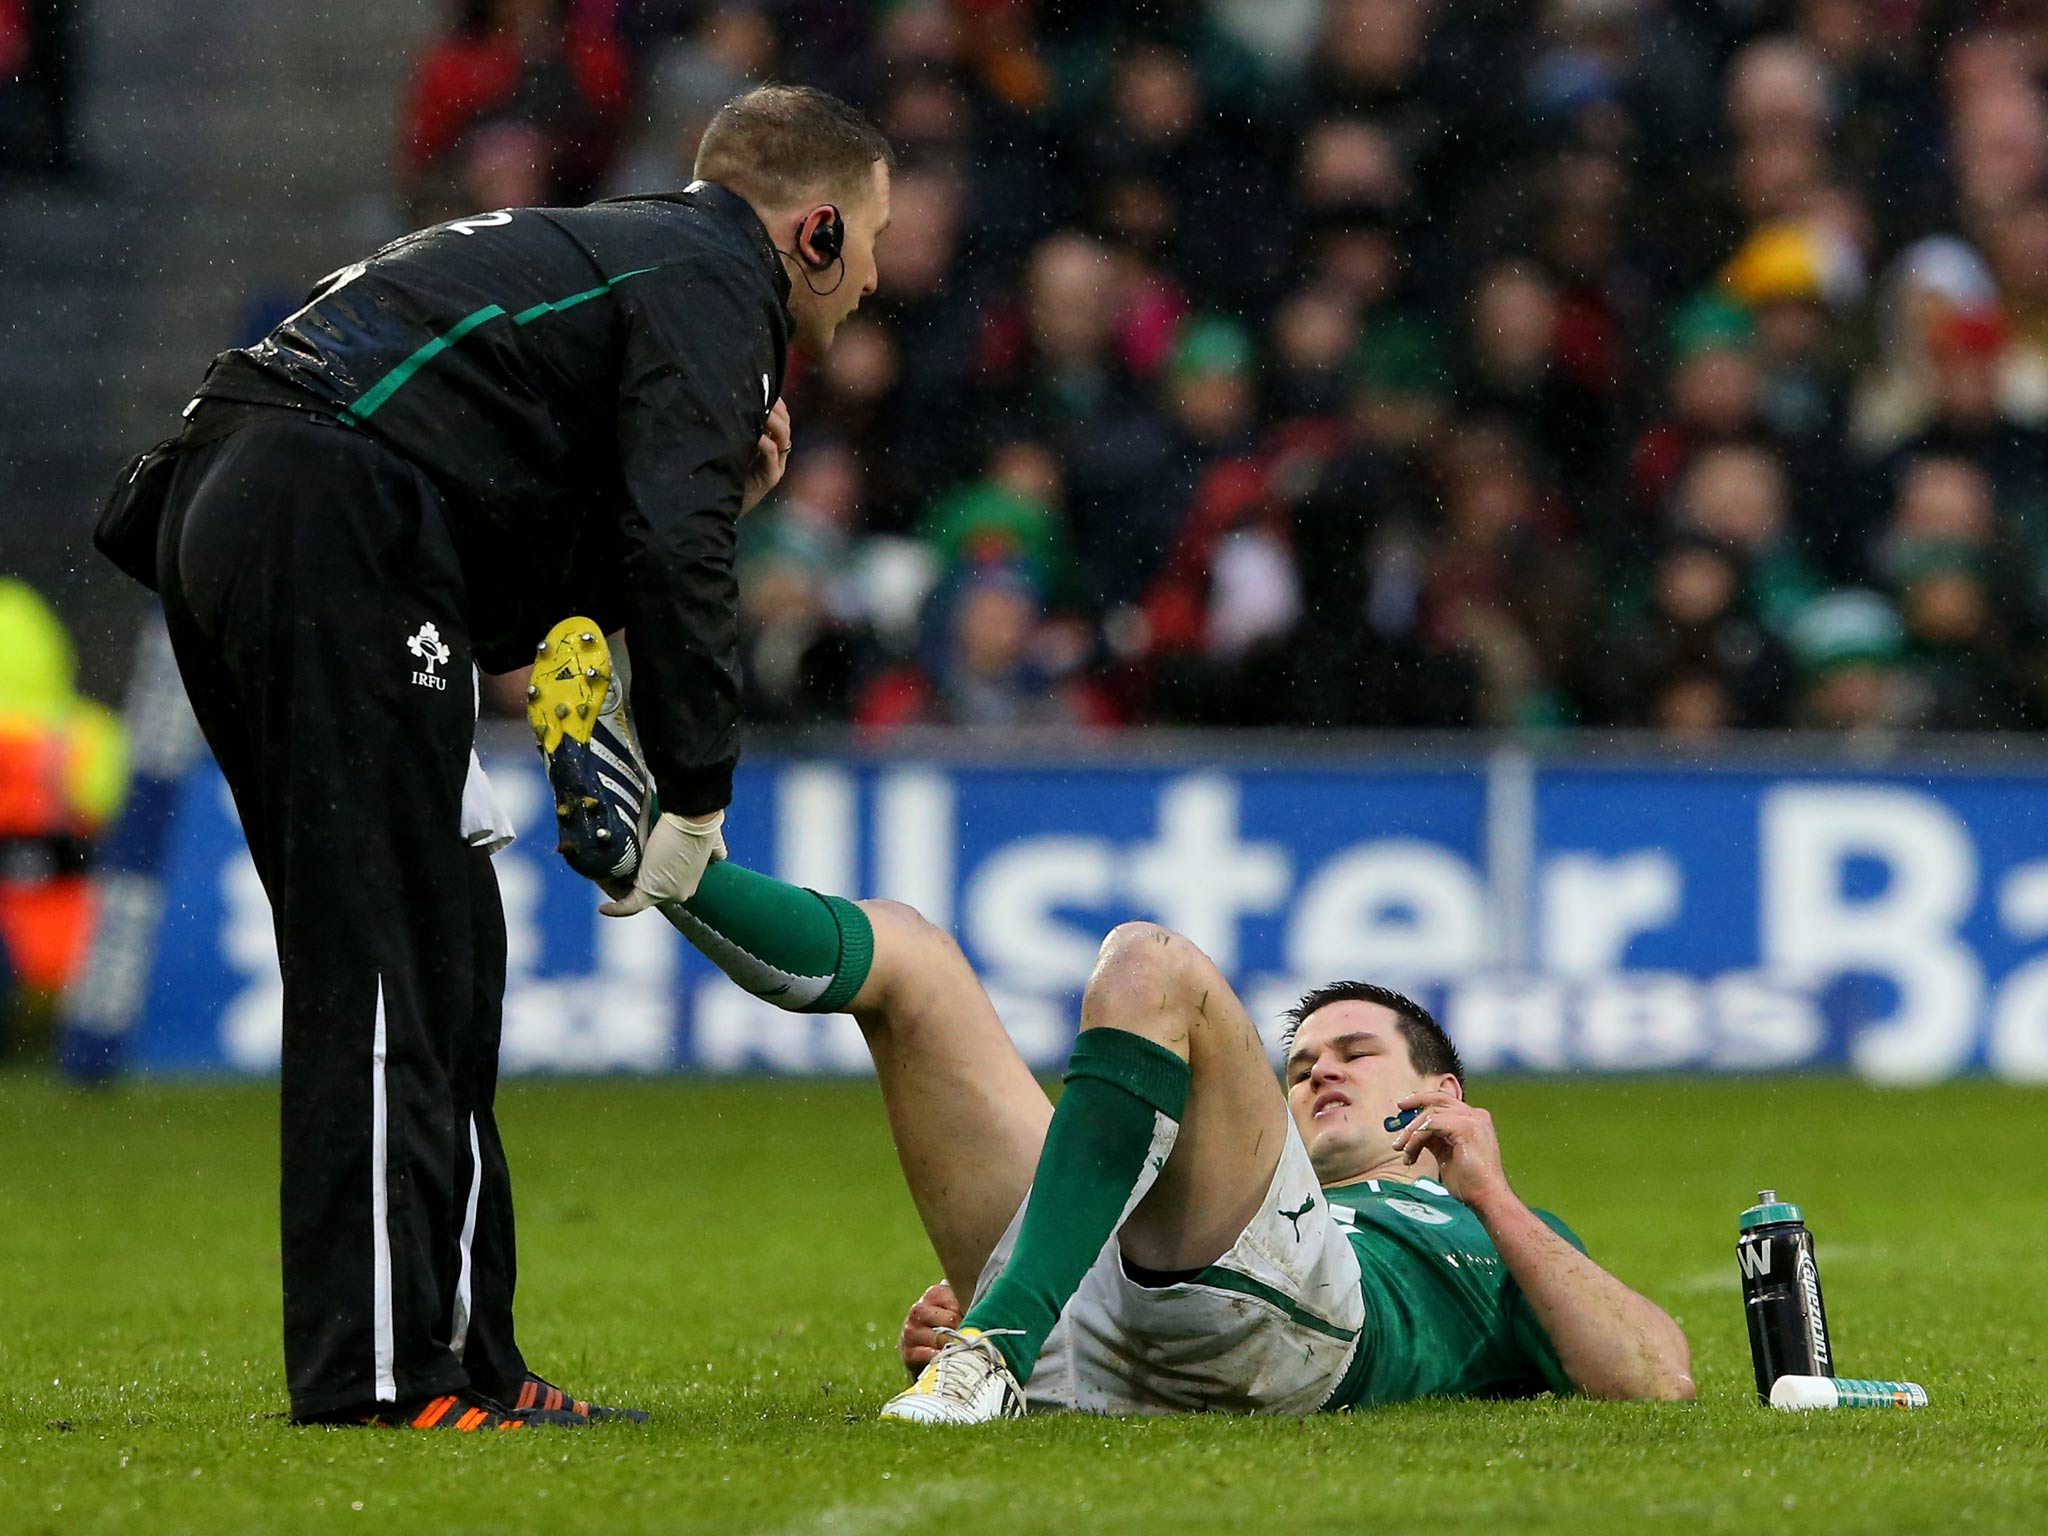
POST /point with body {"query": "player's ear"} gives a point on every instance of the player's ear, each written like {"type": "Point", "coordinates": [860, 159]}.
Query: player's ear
{"type": "Point", "coordinates": [1446, 1083]}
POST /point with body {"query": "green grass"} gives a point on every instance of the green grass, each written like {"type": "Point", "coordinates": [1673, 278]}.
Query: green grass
{"type": "Point", "coordinates": [737, 1257]}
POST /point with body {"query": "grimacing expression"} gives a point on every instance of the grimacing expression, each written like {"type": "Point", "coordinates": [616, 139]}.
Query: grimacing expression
{"type": "Point", "coordinates": [1345, 1074]}
{"type": "Point", "coordinates": [839, 293]}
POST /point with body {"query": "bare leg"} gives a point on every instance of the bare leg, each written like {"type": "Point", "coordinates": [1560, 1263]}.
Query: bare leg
{"type": "Point", "coordinates": [1152, 982]}
{"type": "Point", "coordinates": [966, 1114]}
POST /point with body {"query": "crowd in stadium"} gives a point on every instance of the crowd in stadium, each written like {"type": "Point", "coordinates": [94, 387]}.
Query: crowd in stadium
{"type": "Point", "coordinates": [1339, 363]}
{"type": "Point", "coordinates": [38, 76]}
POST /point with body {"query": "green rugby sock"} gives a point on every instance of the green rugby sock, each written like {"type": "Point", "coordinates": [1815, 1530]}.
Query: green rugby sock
{"type": "Point", "coordinates": [1110, 1135]}
{"type": "Point", "coordinates": [789, 946]}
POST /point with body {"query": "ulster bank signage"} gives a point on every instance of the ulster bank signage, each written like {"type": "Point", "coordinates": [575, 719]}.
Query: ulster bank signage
{"type": "Point", "coordinates": [1560, 915]}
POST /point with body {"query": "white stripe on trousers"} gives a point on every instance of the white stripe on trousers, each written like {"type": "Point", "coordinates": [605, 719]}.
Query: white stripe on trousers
{"type": "Point", "coordinates": [458, 1322]}
{"type": "Point", "coordinates": [386, 1346]}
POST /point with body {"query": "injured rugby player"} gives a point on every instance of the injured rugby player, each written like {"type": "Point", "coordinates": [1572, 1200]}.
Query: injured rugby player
{"type": "Point", "coordinates": [1184, 1232]}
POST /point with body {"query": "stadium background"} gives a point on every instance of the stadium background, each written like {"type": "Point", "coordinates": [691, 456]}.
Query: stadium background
{"type": "Point", "coordinates": [1328, 419]}
{"type": "Point", "coordinates": [1505, 495]}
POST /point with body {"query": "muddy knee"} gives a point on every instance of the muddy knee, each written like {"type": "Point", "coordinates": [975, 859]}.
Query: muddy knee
{"type": "Point", "coordinates": [1151, 981]}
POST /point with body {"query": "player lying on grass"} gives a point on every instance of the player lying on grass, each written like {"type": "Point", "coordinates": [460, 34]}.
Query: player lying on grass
{"type": "Point", "coordinates": [1180, 1233]}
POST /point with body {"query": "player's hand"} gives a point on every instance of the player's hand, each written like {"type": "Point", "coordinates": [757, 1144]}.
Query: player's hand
{"type": "Point", "coordinates": [678, 852]}
{"type": "Point", "coordinates": [1461, 1137]}
{"type": "Point", "coordinates": [937, 1308]}
{"type": "Point", "coordinates": [771, 457]}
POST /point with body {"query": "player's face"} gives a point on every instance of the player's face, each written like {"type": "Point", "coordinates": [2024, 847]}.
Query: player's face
{"type": "Point", "coordinates": [1346, 1074]}
{"type": "Point", "coordinates": [867, 219]}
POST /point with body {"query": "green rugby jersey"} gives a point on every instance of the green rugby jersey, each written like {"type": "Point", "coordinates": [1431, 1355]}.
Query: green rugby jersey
{"type": "Point", "coordinates": [1443, 1317]}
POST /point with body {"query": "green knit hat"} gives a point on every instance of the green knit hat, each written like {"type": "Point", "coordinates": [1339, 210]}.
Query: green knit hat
{"type": "Point", "coordinates": [1710, 324]}
{"type": "Point", "coordinates": [1840, 628]}
{"type": "Point", "coordinates": [1209, 344]}
{"type": "Point", "coordinates": [983, 522]}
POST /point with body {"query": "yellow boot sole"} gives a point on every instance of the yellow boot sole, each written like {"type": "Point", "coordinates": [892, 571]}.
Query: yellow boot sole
{"type": "Point", "coordinates": [566, 692]}
{"type": "Point", "coordinates": [572, 672]}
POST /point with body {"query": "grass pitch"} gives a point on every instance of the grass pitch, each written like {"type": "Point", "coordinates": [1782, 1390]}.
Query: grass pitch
{"type": "Point", "coordinates": [737, 1257]}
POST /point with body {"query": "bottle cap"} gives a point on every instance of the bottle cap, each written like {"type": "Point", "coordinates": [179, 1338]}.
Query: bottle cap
{"type": "Point", "coordinates": [1768, 1209]}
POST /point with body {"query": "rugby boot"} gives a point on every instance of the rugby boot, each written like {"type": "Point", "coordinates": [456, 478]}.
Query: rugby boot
{"type": "Point", "coordinates": [464, 1412]}
{"type": "Point", "coordinates": [967, 1382]}
{"type": "Point", "coordinates": [540, 1396]}
{"type": "Point", "coordinates": [576, 704]}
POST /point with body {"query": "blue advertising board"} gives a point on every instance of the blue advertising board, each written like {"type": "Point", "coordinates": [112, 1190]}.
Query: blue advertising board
{"type": "Point", "coordinates": [1560, 914]}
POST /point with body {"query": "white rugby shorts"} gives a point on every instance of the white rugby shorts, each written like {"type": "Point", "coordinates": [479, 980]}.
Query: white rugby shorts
{"type": "Point", "coordinates": [1267, 1328]}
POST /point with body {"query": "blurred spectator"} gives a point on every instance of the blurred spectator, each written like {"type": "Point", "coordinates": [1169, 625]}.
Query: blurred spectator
{"type": "Point", "coordinates": [1779, 91]}
{"type": "Point", "coordinates": [1209, 386]}
{"type": "Point", "coordinates": [684, 79]}
{"type": "Point", "coordinates": [1794, 277]}
{"type": "Point", "coordinates": [1940, 561]}
{"type": "Point", "coordinates": [2019, 259]}
{"type": "Point", "coordinates": [1736, 498]}
{"type": "Point", "coordinates": [1525, 342]}
{"type": "Point", "coordinates": [1313, 332]}
{"type": "Point", "coordinates": [1504, 588]}
{"type": "Point", "coordinates": [1350, 189]}
{"type": "Point", "coordinates": [63, 769]}
{"type": "Point", "coordinates": [39, 70]}
{"type": "Point", "coordinates": [1371, 64]}
{"type": "Point", "coordinates": [1012, 516]}
{"type": "Point", "coordinates": [1209, 395]}
{"type": "Point", "coordinates": [1158, 147]}
{"type": "Point", "coordinates": [1969, 416]}
{"type": "Point", "coordinates": [1692, 655]}
{"type": "Point", "coordinates": [993, 661]}
{"type": "Point", "coordinates": [1850, 649]}
{"type": "Point", "coordinates": [933, 307]}
{"type": "Point", "coordinates": [802, 611]}
{"type": "Point", "coordinates": [1279, 33]}
{"type": "Point", "coordinates": [1712, 399]}
{"type": "Point", "coordinates": [1941, 301]}
{"type": "Point", "coordinates": [546, 65]}
{"type": "Point", "coordinates": [1998, 125]}
{"type": "Point", "coordinates": [1372, 362]}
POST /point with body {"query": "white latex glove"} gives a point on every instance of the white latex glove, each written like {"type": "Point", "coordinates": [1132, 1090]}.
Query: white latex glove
{"type": "Point", "coordinates": [678, 852]}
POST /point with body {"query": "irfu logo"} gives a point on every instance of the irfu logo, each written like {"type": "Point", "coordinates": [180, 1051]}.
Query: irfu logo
{"type": "Point", "coordinates": [427, 645]}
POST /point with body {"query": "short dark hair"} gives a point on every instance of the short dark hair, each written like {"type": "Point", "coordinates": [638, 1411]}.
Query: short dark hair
{"type": "Point", "coordinates": [777, 143]}
{"type": "Point", "coordinates": [1429, 1049]}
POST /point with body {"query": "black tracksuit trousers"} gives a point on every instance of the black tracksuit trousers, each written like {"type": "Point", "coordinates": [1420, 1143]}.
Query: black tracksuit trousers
{"type": "Point", "coordinates": [316, 606]}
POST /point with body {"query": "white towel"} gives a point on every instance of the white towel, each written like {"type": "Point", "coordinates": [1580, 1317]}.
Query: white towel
{"type": "Point", "coordinates": [484, 822]}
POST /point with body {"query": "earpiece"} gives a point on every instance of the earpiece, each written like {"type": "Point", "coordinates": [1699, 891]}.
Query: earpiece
{"type": "Point", "coordinates": [828, 240]}
{"type": "Point", "coordinates": [824, 251]}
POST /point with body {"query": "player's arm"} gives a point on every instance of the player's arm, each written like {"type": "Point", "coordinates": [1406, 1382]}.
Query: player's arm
{"type": "Point", "coordinates": [698, 447]}
{"type": "Point", "coordinates": [1611, 1341]}
{"type": "Point", "coordinates": [691, 416]}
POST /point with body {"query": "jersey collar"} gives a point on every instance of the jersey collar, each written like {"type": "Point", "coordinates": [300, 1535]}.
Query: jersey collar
{"type": "Point", "coordinates": [723, 200]}
{"type": "Point", "coordinates": [729, 204]}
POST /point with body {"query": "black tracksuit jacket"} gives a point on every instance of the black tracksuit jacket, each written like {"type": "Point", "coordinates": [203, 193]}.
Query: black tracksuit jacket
{"type": "Point", "coordinates": [585, 387]}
